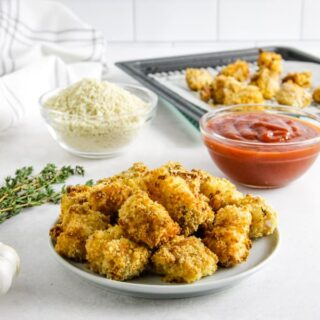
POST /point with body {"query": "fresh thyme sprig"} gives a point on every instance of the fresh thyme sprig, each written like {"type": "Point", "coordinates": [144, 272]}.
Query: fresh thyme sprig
{"type": "Point", "coordinates": [26, 190]}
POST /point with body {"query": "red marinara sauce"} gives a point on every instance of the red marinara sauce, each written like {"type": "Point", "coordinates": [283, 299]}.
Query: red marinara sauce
{"type": "Point", "coordinates": [262, 149]}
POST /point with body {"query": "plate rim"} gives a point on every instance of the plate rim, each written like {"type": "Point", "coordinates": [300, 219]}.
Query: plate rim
{"type": "Point", "coordinates": [174, 288]}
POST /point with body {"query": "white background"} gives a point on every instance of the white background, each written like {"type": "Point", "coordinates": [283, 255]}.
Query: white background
{"type": "Point", "coordinates": [206, 24]}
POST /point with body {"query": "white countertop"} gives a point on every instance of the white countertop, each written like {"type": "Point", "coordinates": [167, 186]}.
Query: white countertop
{"type": "Point", "coordinates": [287, 288]}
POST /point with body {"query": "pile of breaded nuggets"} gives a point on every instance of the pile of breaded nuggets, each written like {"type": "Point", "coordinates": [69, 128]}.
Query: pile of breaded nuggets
{"type": "Point", "coordinates": [178, 223]}
{"type": "Point", "coordinates": [235, 85]}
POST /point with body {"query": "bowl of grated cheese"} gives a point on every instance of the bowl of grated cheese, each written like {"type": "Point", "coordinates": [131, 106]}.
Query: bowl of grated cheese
{"type": "Point", "coordinates": [97, 119]}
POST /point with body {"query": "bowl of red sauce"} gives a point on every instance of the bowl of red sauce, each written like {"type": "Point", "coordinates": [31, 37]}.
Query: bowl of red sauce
{"type": "Point", "coordinates": [262, 146]}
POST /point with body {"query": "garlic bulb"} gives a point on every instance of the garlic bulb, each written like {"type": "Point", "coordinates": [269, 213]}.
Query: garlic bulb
{"type": "Point", "coordinates": [9, 267]}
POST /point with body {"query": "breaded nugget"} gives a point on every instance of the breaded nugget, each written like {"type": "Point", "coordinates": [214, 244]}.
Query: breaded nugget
{"type": "Point", "coordinates": [185, 207]}
{"type": "Point", "coordinates": [147, 221]}
{"type": "Point", "coordinates": [238, 70]}
{"type": "Point", "coordinates": [133, 177]}
{"type": "Point", "coordinates": [109, 197]}
{"type": "Point", "coordinates": [264, 218]}
{"type": "Point", "coordinates": [267, 81]}
{"type": "Point", "coordinates": [271, 61]}
{"type": "Point", "coordinates": [316, 95]}
{"type": "Point", "coordinates": [302, 79]}
{"type": "Point", "coordinates": [176, 169]}
{"type": "Point", "coordinates": [74, 195]}
{"type": "Point", "coordinates": [184, 260]}
{"type": "Point", "coordinates": [118, 259]}
{"type": "Point", "coordinates": [229, 237]}
{"type": "Point", "coordinates": [223, 84]}
{"type": "Point", "coordinates": [247, 95]}
{"type": "Point", "coordinates": [197, 78]}
{"type": "Point", "coordinates": [219, 191]}
{"type": "Point", "coordinates": [292, 95]}
{"type": "Point", "coordinates": [110, 193]}
{"type": "Point", "coordinates": [206, 93]}
{"type": "Point", "coordinates": [101, 238]}
{"type": "Point", "coordinates": [71, 234]}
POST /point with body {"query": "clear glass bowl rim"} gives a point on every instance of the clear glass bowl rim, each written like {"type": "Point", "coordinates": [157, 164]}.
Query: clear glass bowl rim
{"type": "Point", "coordinates": [211, 114]}
{"type": "Point", "coordinates": [152, 103]}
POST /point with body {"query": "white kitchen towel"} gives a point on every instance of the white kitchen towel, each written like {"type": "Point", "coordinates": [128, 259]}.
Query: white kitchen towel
{"type": "Point", "coordinates": [43, 45]}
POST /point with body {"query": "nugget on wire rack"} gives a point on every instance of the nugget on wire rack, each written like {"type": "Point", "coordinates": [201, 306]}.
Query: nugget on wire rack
{"type": "Point", "coordinates": [197, 78]}
{"type": "Point", "coordinates": [238, 70]}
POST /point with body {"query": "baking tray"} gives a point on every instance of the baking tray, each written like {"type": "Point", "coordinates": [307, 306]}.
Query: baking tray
{"type": "Point", "coordinates": [142, 70]}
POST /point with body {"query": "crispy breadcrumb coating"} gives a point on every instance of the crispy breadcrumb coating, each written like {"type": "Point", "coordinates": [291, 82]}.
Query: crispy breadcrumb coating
{"type": "Point", "coordinates": [133, 177]}
{"type": "Point", "coordinates": [292, 95]}
{"type": "Point", "coordinates": [223, 85]}
{"type": "Point", "coordinates": [71, 234]}
{"type": "Point", "coordinates": [302, 79]}
{"type": "Point", "coordinates": [147, 221]}
{"type": "Point", "coordinates": [197, 78]}
{"type": "Point", "coordinates": [229, 237]}
{"type": "Point", "coordinates": [267, 81]}
{"type": "Point", "coordinates": [74, 195]}
{"type": "Point", "coordinates": [174, 193]}
{"type": "Point", "coordinates": [110, 193]}
{"type": "Point", "coordinates": [118, 259]}
{"type": "Point", "coordinates": [264, 218]}
{"type": "Point", "coordinates": [206, 93]}
{"type": "Point", "coordinates": [271, 61]}
{"type": "Point", "coordinates": [238, 70]}
{"type": "Point", "coordinates": [184, 260]}
{"type": "Point", "coordinates": [219, 191]}
{"type": "Point", "coordinates": [109, 197]}
{"type": "Point", "coordinates": [177, 169]}
{"type": "Point", "coordinates": [316, 95]}
{"type": "Point", "coordinates": [247, 95]}
{"type": "Point", "coordinates": [100, 239]}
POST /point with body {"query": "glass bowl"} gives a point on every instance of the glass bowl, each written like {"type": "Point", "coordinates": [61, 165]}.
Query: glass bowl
{"type": "Point", "coordinates": [98, 137]}
{"type": "Point", "coordinates": [261, 164]}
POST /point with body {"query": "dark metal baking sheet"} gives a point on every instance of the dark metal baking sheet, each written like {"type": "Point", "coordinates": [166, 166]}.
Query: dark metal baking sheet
{"type": "Point", "coordinates": [140, 70]}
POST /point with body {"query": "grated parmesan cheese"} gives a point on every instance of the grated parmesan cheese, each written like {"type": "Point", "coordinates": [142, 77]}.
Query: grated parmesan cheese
{"type": "Point", "coordinates": [96, 116]}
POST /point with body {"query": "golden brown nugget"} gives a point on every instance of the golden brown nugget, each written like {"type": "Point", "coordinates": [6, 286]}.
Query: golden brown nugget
{"type": "Point", "coordinates": [222, 85]}
{"type": "Point", "coordinates": [174, 193]}
{"type": "Point", "coordinates": [176, 169]}
{"type": "Point", "coordinates": [184, 260]}
{"type": "Point", "coordinates": [110, 193]}
{"type": "Point", "coordinates": [302, 79]}
{"type": "Point", "coordinates": [75, 228]}
{"type": "Point", "coordinates": [264, 217]}
{"type": "Point", "coordinates": [74, 195]}
{"type": "Point", "coordinates": [147, 221]}
{"type": "Point", "coordinates": [109, 197]}
{"type": "Point", "coordinates": [267, 81]}
{"type": "Point", "coordinates": [292, 95]}
{"type": "Point", "coordinates": [316, 95]}
{"type": "Point", "coordinates": [219, 191]}
{"type": "Point", "coordinates": [229, 237]}
{"type": "Point", "coordinates": [206, 93]}
{"type": "Point", "coordinates": [238, 70]}
{"type": "Point", "coordinates": [118, 259]}
{"type": "Point", "coordinates": [247, 95]}
{"type": "Point", "coordinates": [133, 177]}
{"type": "Point", "coordinates": [271, 61]}
{"type": "Point", "coordinates": [197, 78]}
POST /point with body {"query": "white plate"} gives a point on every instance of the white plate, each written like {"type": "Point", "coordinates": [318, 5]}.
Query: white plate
{"type": "Point", "coordinates": [151, 286]}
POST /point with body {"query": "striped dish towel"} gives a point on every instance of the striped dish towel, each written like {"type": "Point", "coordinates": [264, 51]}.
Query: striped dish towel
{"type": "Point", "coordinates": [43, 45]}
